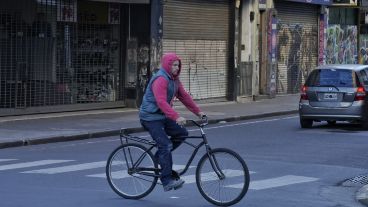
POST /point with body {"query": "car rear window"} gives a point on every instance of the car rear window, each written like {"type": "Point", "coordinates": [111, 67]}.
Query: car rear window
{"type": "Point", "coordinates": [364, 76]}
{"type": "Point", "coordinates": [332, 77]}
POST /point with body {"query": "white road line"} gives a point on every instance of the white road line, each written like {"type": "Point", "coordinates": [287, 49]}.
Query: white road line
{"type": "Point", "coordinates": [123, 174]}
{"type": "Point", "coordinates": [4, 160]}
{"type": "Point", "coordinates": [212, 176]}
{"type": "Point", "coordinates": [115, 175]}
{"type": "Point", "coordinates": [238, 124]}
{"type": "Point", "coordinates": [277, 182]}
{"type": "Point", "coordinates": [247, 123]}
{"type": "Point", "coordinates": [31, 164]}
{"type": "Point", "coordinates": [69, 168]}
{"type": "Point", "coordinates": [180, 167]}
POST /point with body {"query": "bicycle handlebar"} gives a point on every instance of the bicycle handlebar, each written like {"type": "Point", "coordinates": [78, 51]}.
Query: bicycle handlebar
{"type": "Point", "coordinates": [201, 123]}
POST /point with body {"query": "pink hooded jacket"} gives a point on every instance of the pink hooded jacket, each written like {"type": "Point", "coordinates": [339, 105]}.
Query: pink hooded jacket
{"type": "Point", "coordinates": [159, 88]}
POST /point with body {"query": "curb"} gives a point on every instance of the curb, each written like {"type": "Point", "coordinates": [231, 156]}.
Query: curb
{"type": "Point", "coordinates": [91, 135]}
{"type": "Point", "coordinates": [362, 195]}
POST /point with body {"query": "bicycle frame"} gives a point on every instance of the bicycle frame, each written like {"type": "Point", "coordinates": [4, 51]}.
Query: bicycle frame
{"type": "Point", "coordinates": [152, 144]}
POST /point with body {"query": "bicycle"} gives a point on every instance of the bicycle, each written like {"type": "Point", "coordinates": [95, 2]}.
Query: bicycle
{"type": "Point", "coordinates": [133, 172]}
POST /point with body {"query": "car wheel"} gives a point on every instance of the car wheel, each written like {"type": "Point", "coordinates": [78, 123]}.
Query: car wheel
{"type": "Point", "coordinates": [306, 123]}
{"type": "Point", "coordinates": [331, 123]}
{"type": "Point", "coordinates": [365, 125]}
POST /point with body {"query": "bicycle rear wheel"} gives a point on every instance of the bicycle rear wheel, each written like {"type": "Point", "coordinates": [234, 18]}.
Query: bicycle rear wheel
{"type": "Point", "coordinates": [232, 186]}
{"type": "Point", "coordinates": [123, 178]}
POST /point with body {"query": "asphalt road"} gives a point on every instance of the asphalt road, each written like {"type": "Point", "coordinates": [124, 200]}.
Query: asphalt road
{"type": "Point", "coordinates": [289, 167]}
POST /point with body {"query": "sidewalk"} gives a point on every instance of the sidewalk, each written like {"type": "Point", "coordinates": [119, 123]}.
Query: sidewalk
{"type": "Point", "coordinates": [55, 127]}
{"type": "Point", "coordinates": [18, 131]}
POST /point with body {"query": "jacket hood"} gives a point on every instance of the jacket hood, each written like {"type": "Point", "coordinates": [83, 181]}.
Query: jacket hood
{"type": "Point", "coordinates": [167, 61]}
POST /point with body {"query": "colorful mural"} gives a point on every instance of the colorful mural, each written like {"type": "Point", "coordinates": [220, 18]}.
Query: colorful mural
{"type": "Point", "coordinates": [322, 39]}
{"type": "Point", "coordinates": [341, 44]}
{"type": "Point", "coordinates": [363, 51]}
{"type": "Point", "coordinates": [272, 46]}
{"type": "Point", "coordinates": [297, 55]}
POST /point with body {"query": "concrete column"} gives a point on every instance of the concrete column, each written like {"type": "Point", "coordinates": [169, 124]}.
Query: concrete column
{"type": "Point", "coordinates": [248, 50]}
{"type": "Point", "coordinates": [156, 33]}
{"type": "Point", "coordinates": [255, 48]}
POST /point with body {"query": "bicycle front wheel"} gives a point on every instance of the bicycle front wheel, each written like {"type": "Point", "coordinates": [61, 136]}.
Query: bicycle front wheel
{"type": "Point", "coordinates": [122, 173]}
{"type": "Point", "coordinates": [222, 177]}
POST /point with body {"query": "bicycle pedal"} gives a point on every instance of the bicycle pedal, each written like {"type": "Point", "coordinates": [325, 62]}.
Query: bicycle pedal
{"type": "Point", "coordinates": [175, 175]}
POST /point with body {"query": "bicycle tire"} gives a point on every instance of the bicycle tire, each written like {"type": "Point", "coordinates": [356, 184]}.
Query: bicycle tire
{"type": "Point", "coordinates": [234, 168]}
{"type": "Point", "coordinates": [123, 183]}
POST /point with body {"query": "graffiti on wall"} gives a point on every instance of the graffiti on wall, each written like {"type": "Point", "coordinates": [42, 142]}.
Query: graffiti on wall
{"type": "Point", "coordinates": [143, 65]}
{"type": "Point", "coordinates": [297, 55]}
{"type": "Point", "coordinates": [155, 54]}
{"type": "Point", "coordinates": [204, 66]}
{"type": "Point", "coordinates": [341, 44]}
{"type": "Point", "coordinates": [272, 44]}
{"type": "Point", "coordinates": [322, 37]}
{"type": "Point", "coordinates": [363, 52]}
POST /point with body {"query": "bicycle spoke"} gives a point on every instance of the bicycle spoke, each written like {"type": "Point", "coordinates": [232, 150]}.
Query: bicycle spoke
{"type": "Point", "coordinates": [141, 178]}
{"type": "Point", "coordinates": [232, 170]}
{"type": "Point", "coordinates": [218, 171]}
{"type": "Point", "coordinates": [125, 178]}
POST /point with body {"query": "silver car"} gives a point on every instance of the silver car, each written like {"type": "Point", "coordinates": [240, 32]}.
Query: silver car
{"type": "Point", "coordinates": [335, 93]}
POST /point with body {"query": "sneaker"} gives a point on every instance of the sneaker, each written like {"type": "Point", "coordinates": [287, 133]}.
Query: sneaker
{"type": "Point", "coordinates": [175, 175]}
{"type": "Point", "coordinates": [174, 184]}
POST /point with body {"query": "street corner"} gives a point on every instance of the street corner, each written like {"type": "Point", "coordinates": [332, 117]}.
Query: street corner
{"type": "Point", "coordinates": [360, 181]}
{"type": "Point", "coordinates": [362, 195]}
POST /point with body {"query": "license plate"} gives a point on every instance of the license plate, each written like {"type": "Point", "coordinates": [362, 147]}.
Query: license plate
{"type": "Point", "coordinates": [330, 96]}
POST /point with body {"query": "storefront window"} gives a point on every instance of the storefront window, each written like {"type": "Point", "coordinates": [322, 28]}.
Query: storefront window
{"type": "Point", "coordinates": [89, 52]}
{"type": "Point", "coordinates": [347, 16]}
{"type": "Point", "coordinates": [27, 48]}
{"type": "Point", "coordinates": [66, 52]}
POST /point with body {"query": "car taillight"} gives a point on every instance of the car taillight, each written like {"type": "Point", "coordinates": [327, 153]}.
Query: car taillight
{"type": "Point", "coordinates": [303, 93]}
{"type": "Point", "coordinates": [360, 94]}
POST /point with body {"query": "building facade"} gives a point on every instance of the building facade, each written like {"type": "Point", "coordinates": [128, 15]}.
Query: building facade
{"type": "Point", "coordinates": [65, 55]}
{"type": "Point", "coordinates": [295, 36]}
{"type": "Point", "coordinates": [62, 55]}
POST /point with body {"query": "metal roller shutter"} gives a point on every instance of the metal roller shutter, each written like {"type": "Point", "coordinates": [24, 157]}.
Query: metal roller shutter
{"type": "Point", "coordinates": [50, 60]}
{"type": "Point", "coordinates": [297, 44]}
{"type": "Point", "coordinates": [198, 31]}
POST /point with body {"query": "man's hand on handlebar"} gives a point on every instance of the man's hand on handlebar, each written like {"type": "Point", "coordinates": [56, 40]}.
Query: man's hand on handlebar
{"type": "Point", "coordinates": [202, 115]}
{"type": "Point", "coordinates": [181, 121]}
{"type": "Point", "coordinates": [204, 120]}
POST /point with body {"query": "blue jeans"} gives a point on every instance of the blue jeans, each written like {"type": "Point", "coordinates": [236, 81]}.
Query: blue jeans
{"type": "Point", "coordinates": [160, 130]}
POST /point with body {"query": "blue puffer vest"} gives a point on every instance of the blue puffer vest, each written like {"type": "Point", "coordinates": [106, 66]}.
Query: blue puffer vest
{"type": "Point", "coordinates": [149, 111]}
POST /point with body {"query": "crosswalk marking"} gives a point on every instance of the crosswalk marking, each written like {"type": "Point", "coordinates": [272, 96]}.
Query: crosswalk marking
{"type": "Point", "coordinates": [4, 160]}
{"type": "Point", "coordinates": [70, 168]}
{"type": "Point", "coordinates": [115, 175]}
{"type": "Point", "coordinates": [121, 175]}
{"type": "Point", "coordinates": [277, 182]}
{"type": "Point", "coordinates": [212, 176]}
{"type": "Point", "coordinates": [31, 164]}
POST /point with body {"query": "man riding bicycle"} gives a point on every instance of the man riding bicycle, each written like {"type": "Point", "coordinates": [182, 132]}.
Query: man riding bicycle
{"type": "Point", "coordinates": [159, 118]}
